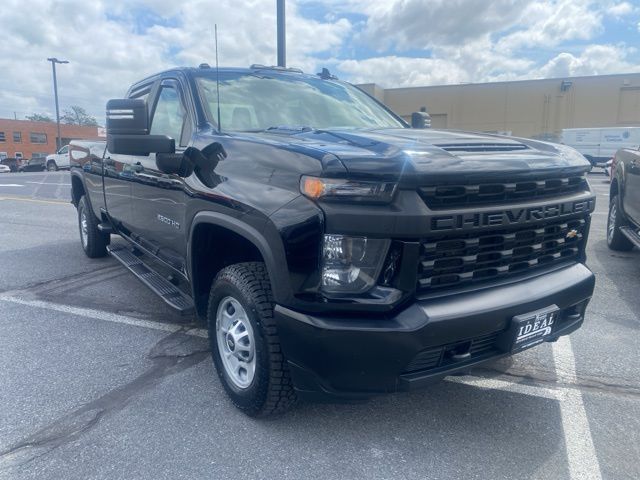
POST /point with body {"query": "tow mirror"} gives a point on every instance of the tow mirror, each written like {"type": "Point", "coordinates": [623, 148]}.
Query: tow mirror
{"type": "Point", "coordinates": [128, 129]}
{"type": "Point", "coordinates": [420, 120]}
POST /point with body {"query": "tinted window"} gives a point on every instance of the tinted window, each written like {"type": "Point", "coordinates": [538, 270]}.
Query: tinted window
{"type": "Point", "coordinates": [169, 115]}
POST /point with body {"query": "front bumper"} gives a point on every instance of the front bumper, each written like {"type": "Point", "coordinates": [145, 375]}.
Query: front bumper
{"type": "Point", "coordinates": [352, 357]}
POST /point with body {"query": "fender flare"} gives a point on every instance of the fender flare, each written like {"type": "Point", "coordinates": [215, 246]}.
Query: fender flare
{"type": "Point", "coordinates": [272, 253]}
{"type": "Point", "coordinates": [80, 177]}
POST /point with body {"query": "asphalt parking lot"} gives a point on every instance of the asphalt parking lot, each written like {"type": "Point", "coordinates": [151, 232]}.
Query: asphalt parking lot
{"type": "Point", "coordinates": [100, 380]}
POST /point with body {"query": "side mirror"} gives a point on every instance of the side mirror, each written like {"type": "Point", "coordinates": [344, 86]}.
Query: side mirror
{"type": "Point", "coordinates": [174, 163]}
{"type": "Point", "coordinates": [420, 120]}
{"type": "Point", "coordinates": [128, 129]}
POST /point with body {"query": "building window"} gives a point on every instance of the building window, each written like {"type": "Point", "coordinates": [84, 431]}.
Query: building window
{"type": "Point", "coordinates": [17, 137]}
{"type": "Point", "coordinates": [37, 137]}
{"type": "Point", "coordinates": [18, 155]}
{"type": "Point", "coordinates": [2, 139]}
{"type": "Point", "coordinates": [3, 155]}
{"type": "Point", "coordinates": [38, 155]}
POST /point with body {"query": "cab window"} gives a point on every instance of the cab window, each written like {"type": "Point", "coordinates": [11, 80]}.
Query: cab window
{"type": "Point", "coordinates": [169, 116]}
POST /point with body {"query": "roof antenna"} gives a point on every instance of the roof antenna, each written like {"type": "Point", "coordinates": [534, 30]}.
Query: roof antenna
{"type": "Point", "coordinates": [217, 76]}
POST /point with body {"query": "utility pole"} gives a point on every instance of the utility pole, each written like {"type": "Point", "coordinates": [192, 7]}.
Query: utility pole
{"type": "Point", "coordinates": [53, 61]}
{"type": "Point", "coordinates": [282, 38]}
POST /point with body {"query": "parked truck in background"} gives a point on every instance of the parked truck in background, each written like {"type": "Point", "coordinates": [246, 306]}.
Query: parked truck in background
{"type": "Point", "coordinates": [59, 160]}
{"type": "Point", "coordinates": [333, 252]}
{"type": "Point", "coordinates": [623, 225]}
{"type": "Point", "coordinates": [599, 145]}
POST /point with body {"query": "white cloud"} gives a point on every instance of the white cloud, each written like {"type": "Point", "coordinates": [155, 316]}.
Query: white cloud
{"type": "Point", "coordinates": [408, 24]}
{"type": "Point", "coordinates": [111, 43]}
{"type": "Point", "coordinates": [395, 71]}
{"type": "Point", "coordinates": [594, 60]}
{"type": "Point", "coordinates": [621, 9]}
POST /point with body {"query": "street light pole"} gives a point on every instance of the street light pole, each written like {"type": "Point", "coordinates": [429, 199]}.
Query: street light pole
{"type": "Point", "coordinates": [53, 61]}
{"type": "Point", "coordinates": [282, 38]}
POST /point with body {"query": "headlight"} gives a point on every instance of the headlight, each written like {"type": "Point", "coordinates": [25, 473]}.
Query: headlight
{"type": "Point", "coordinates": [335, 189]}
{"type": "Point", "coordinates": [351, 264]}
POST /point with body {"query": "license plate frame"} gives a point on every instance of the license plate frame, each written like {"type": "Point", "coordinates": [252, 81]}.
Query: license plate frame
{"type": "Point", "coordinates": [532, 328]}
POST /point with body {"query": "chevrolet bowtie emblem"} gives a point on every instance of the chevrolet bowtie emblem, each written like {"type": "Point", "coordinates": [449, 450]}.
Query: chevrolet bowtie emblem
{"type": "Point", "coordinates": [572, 233]}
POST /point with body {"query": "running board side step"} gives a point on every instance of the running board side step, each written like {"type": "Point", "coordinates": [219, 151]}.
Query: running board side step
{"type": "Point", "coordinates": [152, 279]}
{"type": "Point", "coordinates": [632, 235]}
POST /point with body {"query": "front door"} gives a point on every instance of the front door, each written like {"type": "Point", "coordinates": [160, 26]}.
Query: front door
{"type": "Point", "coordinates": [159, 201]}
{"type": "Point", "coordinates": [119, 174]}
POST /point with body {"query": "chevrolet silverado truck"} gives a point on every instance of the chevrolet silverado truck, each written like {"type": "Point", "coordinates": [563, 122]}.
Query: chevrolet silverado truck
{"type": "Point", "coordinates": [334, 252]}
{"type": "Point", "coordinates": [623, 225]}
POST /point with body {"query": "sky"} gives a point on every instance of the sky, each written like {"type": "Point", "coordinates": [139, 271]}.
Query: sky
{"type": "Point", "coordinates": [395, 43]}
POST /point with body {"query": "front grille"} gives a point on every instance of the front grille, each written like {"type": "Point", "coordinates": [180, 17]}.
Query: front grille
{"type": "Point", "coordinates": [454, 260]}
{"type": "Point", "coordinates": [443, 355]}
{"type": "Point", "coordinates": [489, 192]}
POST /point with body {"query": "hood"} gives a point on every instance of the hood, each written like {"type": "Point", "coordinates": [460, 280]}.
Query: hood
{"type": "Point", "coordinates": [413, 153]}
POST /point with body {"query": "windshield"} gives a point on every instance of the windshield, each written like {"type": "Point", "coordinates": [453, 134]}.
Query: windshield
{"type": "Point", "coordinates": [252, 102]}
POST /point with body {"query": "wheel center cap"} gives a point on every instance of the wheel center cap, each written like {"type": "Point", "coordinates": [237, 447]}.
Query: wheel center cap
{"type": "Point", "coordinates": [231, 343]}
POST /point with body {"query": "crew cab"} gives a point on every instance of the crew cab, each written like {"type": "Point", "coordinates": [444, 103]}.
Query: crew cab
{"type": "Point", "coordinates": [334, 252]}
{"type": "Point", "coordinates": [623, 225]}
{"type": "Point", "coordinates": [59, 160]}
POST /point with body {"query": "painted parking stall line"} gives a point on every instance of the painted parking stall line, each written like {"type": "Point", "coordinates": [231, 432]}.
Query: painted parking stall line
{"type": "Point", "coordinates": [104, 316]}
{"type": "Point", "coordinates": [581, 455]}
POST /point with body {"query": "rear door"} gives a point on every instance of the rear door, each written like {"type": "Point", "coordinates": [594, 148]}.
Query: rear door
{"type": "Point", "coordinates": [160, 199]}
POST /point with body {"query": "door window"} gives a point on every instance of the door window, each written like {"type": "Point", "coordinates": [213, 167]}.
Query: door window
{"type": "Point", "coordinates": [63, 150]}
{"type": "Point", "coordinates": [169, 116]}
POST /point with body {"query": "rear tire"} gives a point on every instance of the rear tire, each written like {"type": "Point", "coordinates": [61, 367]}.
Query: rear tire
{"type": "Point", "coordinates": [615, 238]}
{"type": "Point", "coordinates": [93, 241]}
{"type": "Point", "coordinates": [244, 341]}
{"type": "Point", "coordinates": [52, 167]}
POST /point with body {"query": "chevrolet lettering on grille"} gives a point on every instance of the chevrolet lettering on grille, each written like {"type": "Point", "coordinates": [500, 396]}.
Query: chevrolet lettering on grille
{"type": "Point", "coordinates": [470, 221]}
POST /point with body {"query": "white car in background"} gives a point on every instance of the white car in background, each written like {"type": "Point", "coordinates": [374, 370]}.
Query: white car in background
{"type": "Point", "coordinates": [57, 161]}
{"type": "Point", "coordinates": [4, 169]}
{"type": "Point", "coordinates": [599, 145]}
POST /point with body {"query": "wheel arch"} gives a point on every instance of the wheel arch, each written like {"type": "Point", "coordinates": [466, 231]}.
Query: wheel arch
{"type": "Point", "coordinates": [211, 231]}
{"type": "Point", "coordinates": [78, 189]}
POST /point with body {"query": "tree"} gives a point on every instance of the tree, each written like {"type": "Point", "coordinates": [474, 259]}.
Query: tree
{"type": "Point", "coordinates": [76, 115]}
{"type": "Point", "coordinates": [39, 117]}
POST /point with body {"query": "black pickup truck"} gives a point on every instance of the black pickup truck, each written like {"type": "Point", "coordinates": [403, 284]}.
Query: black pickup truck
{"type": "Point", "coordinates": [334, 252]}
{"type": "Point", "coordinates": [623, 225]}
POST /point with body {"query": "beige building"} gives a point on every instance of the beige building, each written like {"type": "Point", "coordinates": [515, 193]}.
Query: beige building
{"type": "Point", "coordinates": [528, 108]}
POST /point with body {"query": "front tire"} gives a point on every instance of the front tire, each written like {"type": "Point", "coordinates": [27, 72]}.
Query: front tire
{"type": "Point", "coordinates": [244, 341]}
{"type": "Point", "coordinates": [615, 238]}
{"type": "Point", "coordinates": [52, 167]}
{"type": "Point", "coordinates": [94, 242]}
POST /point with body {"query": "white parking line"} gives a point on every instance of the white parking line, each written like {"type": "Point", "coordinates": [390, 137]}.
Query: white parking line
{"type": "Point", "coordinates": [10, 185]}
{"type": "Point", "coordinates": [51, 183]}
{"type": "Point", "coordinates": [583, 461]}
{"type": "Point", "coordinates": [581, 454]}
{"type": "Point", "coordinates": [105, 316]}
